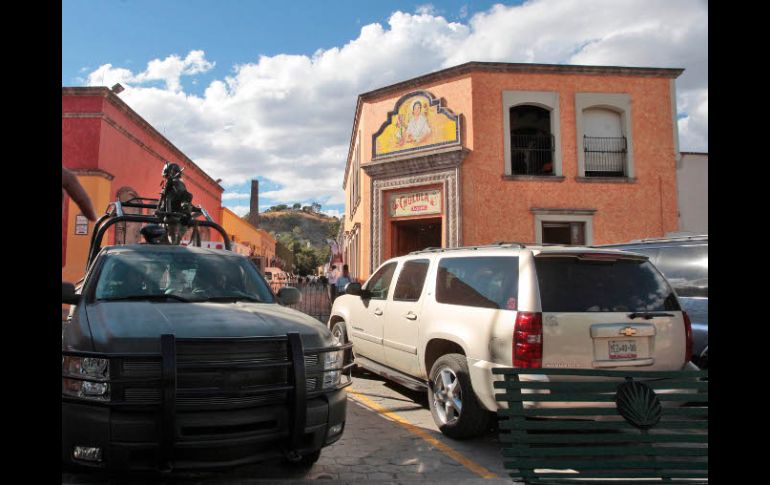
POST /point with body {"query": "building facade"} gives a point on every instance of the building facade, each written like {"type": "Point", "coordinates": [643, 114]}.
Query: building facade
{"type": "Point", "coordinates": [486, 152]}
{"type": "Point", "coordinates": [248, 240]}
{"type": "Point", "coordinates": [117, 155]}
{"type": "Point", "coordinates": [693, 185]}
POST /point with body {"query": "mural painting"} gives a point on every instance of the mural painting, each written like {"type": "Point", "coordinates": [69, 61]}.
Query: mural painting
{"type": "Point", "coordinates": [418, 122]}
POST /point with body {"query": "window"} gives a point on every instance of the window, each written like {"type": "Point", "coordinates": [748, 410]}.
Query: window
{"type": "Point", "coordinates": [604, 144]}
{"type": "Point", "coordinates": [531, 141]}
{"type": "Point", "coordinates": [485, 282]}
{"type": "Point", "coordinates": [564, 226]}
{"type": "Point", "coordinates": [379, 283]}
{"type": "Point", "coordinates": [575, 285]}
{"type": "Point", "coordinates": [569, 233]}
{"type": "Point", "coordinates": [686, 268]}
{"type": "Point", "coordinates": [355, 176]}
{"type": "Point", "coordinates": [411, 280]}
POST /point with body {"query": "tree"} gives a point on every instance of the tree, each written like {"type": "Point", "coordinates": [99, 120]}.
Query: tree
{"type": "Point", "coordinates": [296, 206]}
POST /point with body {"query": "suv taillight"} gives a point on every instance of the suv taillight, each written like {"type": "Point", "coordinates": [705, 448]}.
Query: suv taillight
{"type": "Point", "coordinates": [688, 338]}
{"type": "Point", "coordinates": [528, 340]}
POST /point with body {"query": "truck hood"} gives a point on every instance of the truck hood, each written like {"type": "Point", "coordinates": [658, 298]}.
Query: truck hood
{"type": "Point", "coordinates": [136, 326]}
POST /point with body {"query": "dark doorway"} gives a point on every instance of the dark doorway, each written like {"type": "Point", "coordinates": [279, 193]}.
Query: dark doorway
{"type": "Point", "coordinates": [415, 235]}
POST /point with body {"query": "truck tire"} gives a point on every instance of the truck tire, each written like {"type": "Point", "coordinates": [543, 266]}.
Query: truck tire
{"type": "Point", "coordinates": [453, 404]}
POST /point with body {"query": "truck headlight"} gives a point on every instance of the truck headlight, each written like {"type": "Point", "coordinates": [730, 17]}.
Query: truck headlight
{"type": "Point", "coordinates": [85, 367]}
{"type": "Point", "coordinates": [332, 369]}
{"type": "Point", "coordinates": [89, 373]}
{"type": "Point", "coordinates": [96, 391]}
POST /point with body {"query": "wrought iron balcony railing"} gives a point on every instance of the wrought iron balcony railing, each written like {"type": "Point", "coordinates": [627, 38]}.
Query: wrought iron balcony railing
{"type": "Point", "coordinates": [532, 154]}
{"type": "Point", "coordinates": [605, 156]}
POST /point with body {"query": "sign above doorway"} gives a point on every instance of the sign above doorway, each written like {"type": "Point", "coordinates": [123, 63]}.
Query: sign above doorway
{"type": "Point", "coordinates": [415, 203]}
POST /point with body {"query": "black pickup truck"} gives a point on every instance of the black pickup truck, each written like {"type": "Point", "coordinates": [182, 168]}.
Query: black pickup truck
{"type": "Point", "coordinates": [181, 357]}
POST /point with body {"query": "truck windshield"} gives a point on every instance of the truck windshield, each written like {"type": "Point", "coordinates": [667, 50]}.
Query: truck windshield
{"type": "Point", "coordinates": [179, 276]}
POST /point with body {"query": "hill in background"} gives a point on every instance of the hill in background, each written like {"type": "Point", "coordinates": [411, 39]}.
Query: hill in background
{"type": "Point", "coordinates": [302, 231]}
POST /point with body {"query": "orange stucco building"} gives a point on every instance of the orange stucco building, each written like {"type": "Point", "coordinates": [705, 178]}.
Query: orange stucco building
{"type": "Point", "coordinates": [248, 240]}
{"type": "Point", "coordinates": [117, 155]}
{"type": "Point", "coordinates": [486, 152]}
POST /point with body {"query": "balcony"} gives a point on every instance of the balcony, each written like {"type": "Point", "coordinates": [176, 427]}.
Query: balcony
{"type": "Point", "coordinates": [532, 154]}
{"type": "Point", "coordinates": [605, 156]}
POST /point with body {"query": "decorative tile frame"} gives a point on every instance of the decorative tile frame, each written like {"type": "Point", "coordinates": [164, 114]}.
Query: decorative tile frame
{"type": "Point", "coordinates": [450, 188]}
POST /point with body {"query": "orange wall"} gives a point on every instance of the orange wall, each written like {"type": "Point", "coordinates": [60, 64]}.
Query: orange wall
{"type": "Point", "coordinates": [242, 232]}
{"type": "Point", "coordinates": [99, 189]}
{"type": "Point", "coordinates": [624, 211]}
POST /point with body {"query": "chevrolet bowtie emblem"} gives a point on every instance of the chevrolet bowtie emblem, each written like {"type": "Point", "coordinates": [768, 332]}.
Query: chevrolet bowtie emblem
{"type": "Point", "coordinates": [628, 331]}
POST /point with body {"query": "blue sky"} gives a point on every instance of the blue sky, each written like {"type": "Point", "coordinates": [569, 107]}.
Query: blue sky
{"type": "Point", "coordinates": [129, 33]}
{"type": "Point", "coordinates": [267, 89]}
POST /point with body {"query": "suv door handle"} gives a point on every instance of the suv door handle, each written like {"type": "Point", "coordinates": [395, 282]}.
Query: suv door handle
{"type": "Point", "coordinates": [411, 316]}
{"type": "Point", "coordinates": [377, 312]}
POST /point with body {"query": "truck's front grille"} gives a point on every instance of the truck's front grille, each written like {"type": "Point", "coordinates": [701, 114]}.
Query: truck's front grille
{"type": "Point", "coordinates": [214, 374]}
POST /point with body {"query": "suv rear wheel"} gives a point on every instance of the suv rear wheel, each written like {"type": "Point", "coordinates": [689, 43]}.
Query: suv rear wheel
{"type": "Point", "coordinates": [453, 403]}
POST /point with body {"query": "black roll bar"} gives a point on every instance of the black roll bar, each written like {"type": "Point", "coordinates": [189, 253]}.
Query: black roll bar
{"type": "Point", "coordinates": [116, 215]}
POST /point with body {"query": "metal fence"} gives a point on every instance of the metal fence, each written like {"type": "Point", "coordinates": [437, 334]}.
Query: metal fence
{"type": "Point", "coordinates": [605, 155]}
{"type": "Point", "coordinates": [315, 298]}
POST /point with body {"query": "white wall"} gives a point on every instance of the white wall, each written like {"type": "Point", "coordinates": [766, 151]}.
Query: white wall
{"type": "Point", "coordinates": [692, 177]}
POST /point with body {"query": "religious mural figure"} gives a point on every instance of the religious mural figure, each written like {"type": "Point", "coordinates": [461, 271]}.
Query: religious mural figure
{"type": "Point", "coordinates": [417, 130]}
{"type": "Point", "coordinates": [418, 122]}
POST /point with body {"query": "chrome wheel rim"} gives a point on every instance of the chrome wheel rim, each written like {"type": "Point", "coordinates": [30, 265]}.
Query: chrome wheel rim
{"type": "Point", "coordinates": [338, 334]}
{"type": "Point", "coordinates": [447, 396]}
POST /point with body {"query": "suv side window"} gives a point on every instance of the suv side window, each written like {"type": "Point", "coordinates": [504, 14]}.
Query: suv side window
{"type": "Point", "coordinates": [379, 283]}
{"type": "Point", "coordinates": [411, 280]}
{"type": "Point", "coordinates": [486, 282]}
{"type": "Point", "coordinates": [686, 268]}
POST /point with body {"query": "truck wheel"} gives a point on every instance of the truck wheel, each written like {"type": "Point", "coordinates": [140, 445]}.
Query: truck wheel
{"type": "Point", "coordinates": [453, 404]}
{"type": "Point", "coordinates": [305, 461]}
{"type": "Point", "coordinates": [340, 332]}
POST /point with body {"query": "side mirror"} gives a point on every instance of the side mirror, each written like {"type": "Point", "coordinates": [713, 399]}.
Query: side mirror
{"type": "Point", "coordinates": [353, 289]}
{"type": "Point", "coordinates": [68, 294]}
{"type": "Point", "coordinates": [289, 295]}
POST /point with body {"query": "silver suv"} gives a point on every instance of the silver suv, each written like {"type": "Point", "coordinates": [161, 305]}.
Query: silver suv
{"type": "Point", "coordinates": [440, 320]}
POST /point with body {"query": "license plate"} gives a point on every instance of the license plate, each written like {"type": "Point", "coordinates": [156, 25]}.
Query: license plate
{"type": "Point", "coordinates": [622, 349]}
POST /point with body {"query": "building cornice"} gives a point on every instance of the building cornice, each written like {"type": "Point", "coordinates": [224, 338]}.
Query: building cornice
{"type": "Point", "coordinates": [93, 172]}
{"type": "Point", "coordinates": [416, 163]}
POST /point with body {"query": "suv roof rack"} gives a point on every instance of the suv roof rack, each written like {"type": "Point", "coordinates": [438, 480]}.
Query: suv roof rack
{"type": "Point", "coordinates": [115, 213]}
{"type": "Point", "coordinates": [672, 238]}
{"type": "Point", "coordinates": [498, 244]}
{"type": "Point", "coordinates": [694, 237]}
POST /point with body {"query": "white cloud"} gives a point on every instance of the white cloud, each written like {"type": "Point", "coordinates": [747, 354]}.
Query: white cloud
{"type": "Point", "coordinates": [332, 213]}
{"type": "Point", "coordinates": [235, 195]}
{"type": "Point", "coordinates": [287, 118]}
{"type": "Point", "coordinates": [241, 210]}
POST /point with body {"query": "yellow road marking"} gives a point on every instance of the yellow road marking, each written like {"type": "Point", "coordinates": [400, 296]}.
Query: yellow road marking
{"type": "Point", "coordinates": [455, 455]}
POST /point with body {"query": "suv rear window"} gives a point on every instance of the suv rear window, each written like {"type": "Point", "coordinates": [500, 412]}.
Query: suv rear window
{"type": "Point", "coordinates": [486, 282]}
{"type": "Point", "coordinates": [570, 284]}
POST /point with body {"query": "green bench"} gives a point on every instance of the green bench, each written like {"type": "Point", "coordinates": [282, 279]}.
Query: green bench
{"type": "Point", "coordinates": [650, 426]}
